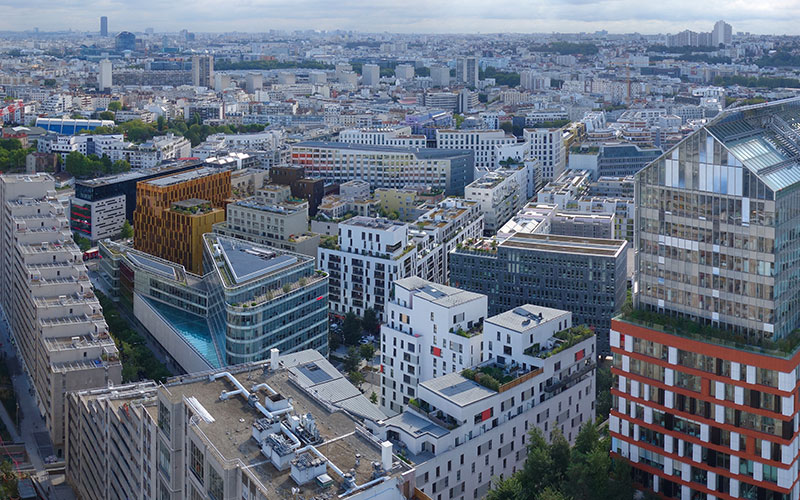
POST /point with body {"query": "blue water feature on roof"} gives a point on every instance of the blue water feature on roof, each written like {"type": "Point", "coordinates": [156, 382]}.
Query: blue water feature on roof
{"type": "Point", "coordinates": [193, 329]}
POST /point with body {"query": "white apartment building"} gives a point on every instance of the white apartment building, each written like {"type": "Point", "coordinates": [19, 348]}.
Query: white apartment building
{"type": "Point", "coordinates": [500, 193]}
{"type": "Point", "coordinates": [547, 144]}
{"type": "Point", "coordinates": [370, 254]}
{"type": "Point", "coordinates": [399, 136]}
{"type": "Point", "coordinates": [464, 428]}
{"type": "Point", "coordinates": [370, 75]}
{"type": "Point", "coordinates": [430, 330]}
{"type": "Point", "coordinates": [440, 76]}
{"type": "Point", "coordinates": [258, 431]}
{"type": "Point", "coordinates": [439, 230]}
{"type": "Point", "coordinates": [268, 139]}
{"type": "Point", "coordinates": [46, 295]}
{"type": "Point", "coordinates": [354, 190]}
{"type": "Point", "coordinates": [483, 142]}
{"type": "Point", "coordinates": [83, 144]}
{"type": "Point", "coordinates": [155, 151]}
{"type": "Point", "coordinates": [467, 69]}
{"type": "Point", "coordinates": [104, 75]}
{"type": "Point", "coordinates": [531, 80]}
{"type": "Point", "coordinates": [404, 72]}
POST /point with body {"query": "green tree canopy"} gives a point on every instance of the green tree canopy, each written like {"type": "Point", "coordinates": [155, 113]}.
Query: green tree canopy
{"type": "Point", "coordinates": [351, 329]}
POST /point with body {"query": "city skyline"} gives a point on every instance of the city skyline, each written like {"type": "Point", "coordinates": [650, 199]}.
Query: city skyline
{"type": "Point", "coordinates": [568, 16]}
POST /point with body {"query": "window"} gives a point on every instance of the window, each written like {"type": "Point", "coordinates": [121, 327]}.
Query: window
{"type": "Point", "coordinates": [196, 461]}
{"type": "Point", "coordinates": [215, 484]}
{"type": "Point", "coordinates": [163, 418]}
{"type": "Point", "coordinates": [163, 458]}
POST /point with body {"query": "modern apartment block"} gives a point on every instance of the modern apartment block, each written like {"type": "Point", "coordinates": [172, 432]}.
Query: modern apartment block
{"type": "Point", "coordinates": [467, 69]}
{"type": "Point", "coordinates": [203, 70]}
{"type": "Point", "coordinates": [585, 276]}
{"type": "Point", "coordinates": [500, 193]}
{"type": "Point", "coordinates": [168, 229]}
{"type": "Point", "coordinates": [547, 144]}
{"type": "Point", "coordinates": [466, 427]}
{"type": "Point", "coordinates": [46, 295]}
{"type": "Point", "coordinates": [707, 363]}
{"type": "Point", "coordinates": [483, 143]}
{"type": "Point", "coordinates": [430, 330]}
{"type": "Point", "coordinates": [384, 166]}
{"type": "Point", "coordinates": [259, 431]}
{"type": "Point", "coordinates": [273, 218]}
{"type": "Point", "coordinates": [369, 255]}
{"type": "Point", "coordinates": [439, 230]}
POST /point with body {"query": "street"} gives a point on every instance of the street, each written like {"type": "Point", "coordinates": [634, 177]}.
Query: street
{"type": "Point", "coordinates": [33, 432]}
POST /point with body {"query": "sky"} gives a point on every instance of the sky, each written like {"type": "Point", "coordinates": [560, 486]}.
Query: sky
{"type": "Point", "coordinates": [405, 16]}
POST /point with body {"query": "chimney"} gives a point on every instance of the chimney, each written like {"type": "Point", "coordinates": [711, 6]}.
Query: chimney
{"type": "Point", "coordinates": [386, 456]}
{"type": "Point", "coordinates": [273, 358]}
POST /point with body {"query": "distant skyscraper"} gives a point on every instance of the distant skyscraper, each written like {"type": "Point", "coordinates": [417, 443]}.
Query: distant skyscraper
{"type": "Point", "coordinates": [203, 71]}
{"type": "Point", "coordinates": [104, 26]}
{"type": "Point", "coordinates": [104, 78]}
{"type": "Point", "coordinates": [467, 71]}
{"type": "Point", "coordinates": [371, 75]}
{"type": "Point", "coordinates": [440, 76]}
{"type": "Point", "coordinates": [722, 34]}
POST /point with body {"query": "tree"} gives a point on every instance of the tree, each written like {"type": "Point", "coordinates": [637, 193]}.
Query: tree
{"type": "Point", "coordinates": [106, 115]}
{"type": "Point", "coordinates": [351, 329]}
{"type": "Point", "coordinates": [559, 455]}
{"type": "Point", "coordinates": [8, 480]}
{"type": "Point", "coordinates": [604, 380]}
{"type": "Point", "coordinates": [83, 243]}
{"type": "Point", "coordinates": [120, 166]}
{"type": "Point", "coordinates": [373, 398]}
{"type": "Point", "coordinates": [505, 489]}
{"type": "Point", "coordinates": [356, 377]}
{"type": "Point", "coordinates": [334, 340]}
{"type": "Point", "coordinates": [127, 230]}
{"type": "Point", "coordinates": [367, 352]}
{"type": "Point", "coordinates": [160, 122]}
{"type": "Point", "coordinates": [370, 321]}
{"type": "Point", "coordinates": [115, 106]}
{"type": "Point", "coordinates": [506, 127]}
{"type": "Point", "coordinates": [353, 359]}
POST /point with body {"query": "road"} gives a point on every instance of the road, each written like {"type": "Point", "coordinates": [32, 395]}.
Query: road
{"type": "Point", "coordinates": [152, 344]}
{"type": "Point", "coordinates": [33, 431]}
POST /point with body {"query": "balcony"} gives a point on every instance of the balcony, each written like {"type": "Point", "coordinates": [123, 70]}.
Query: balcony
{"type": "Point", "coordinates": [570, 379]}
{"type": "Point", "coordinates": [475, 329]}
{"type": "Point", "coordinates": [438, 417]}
